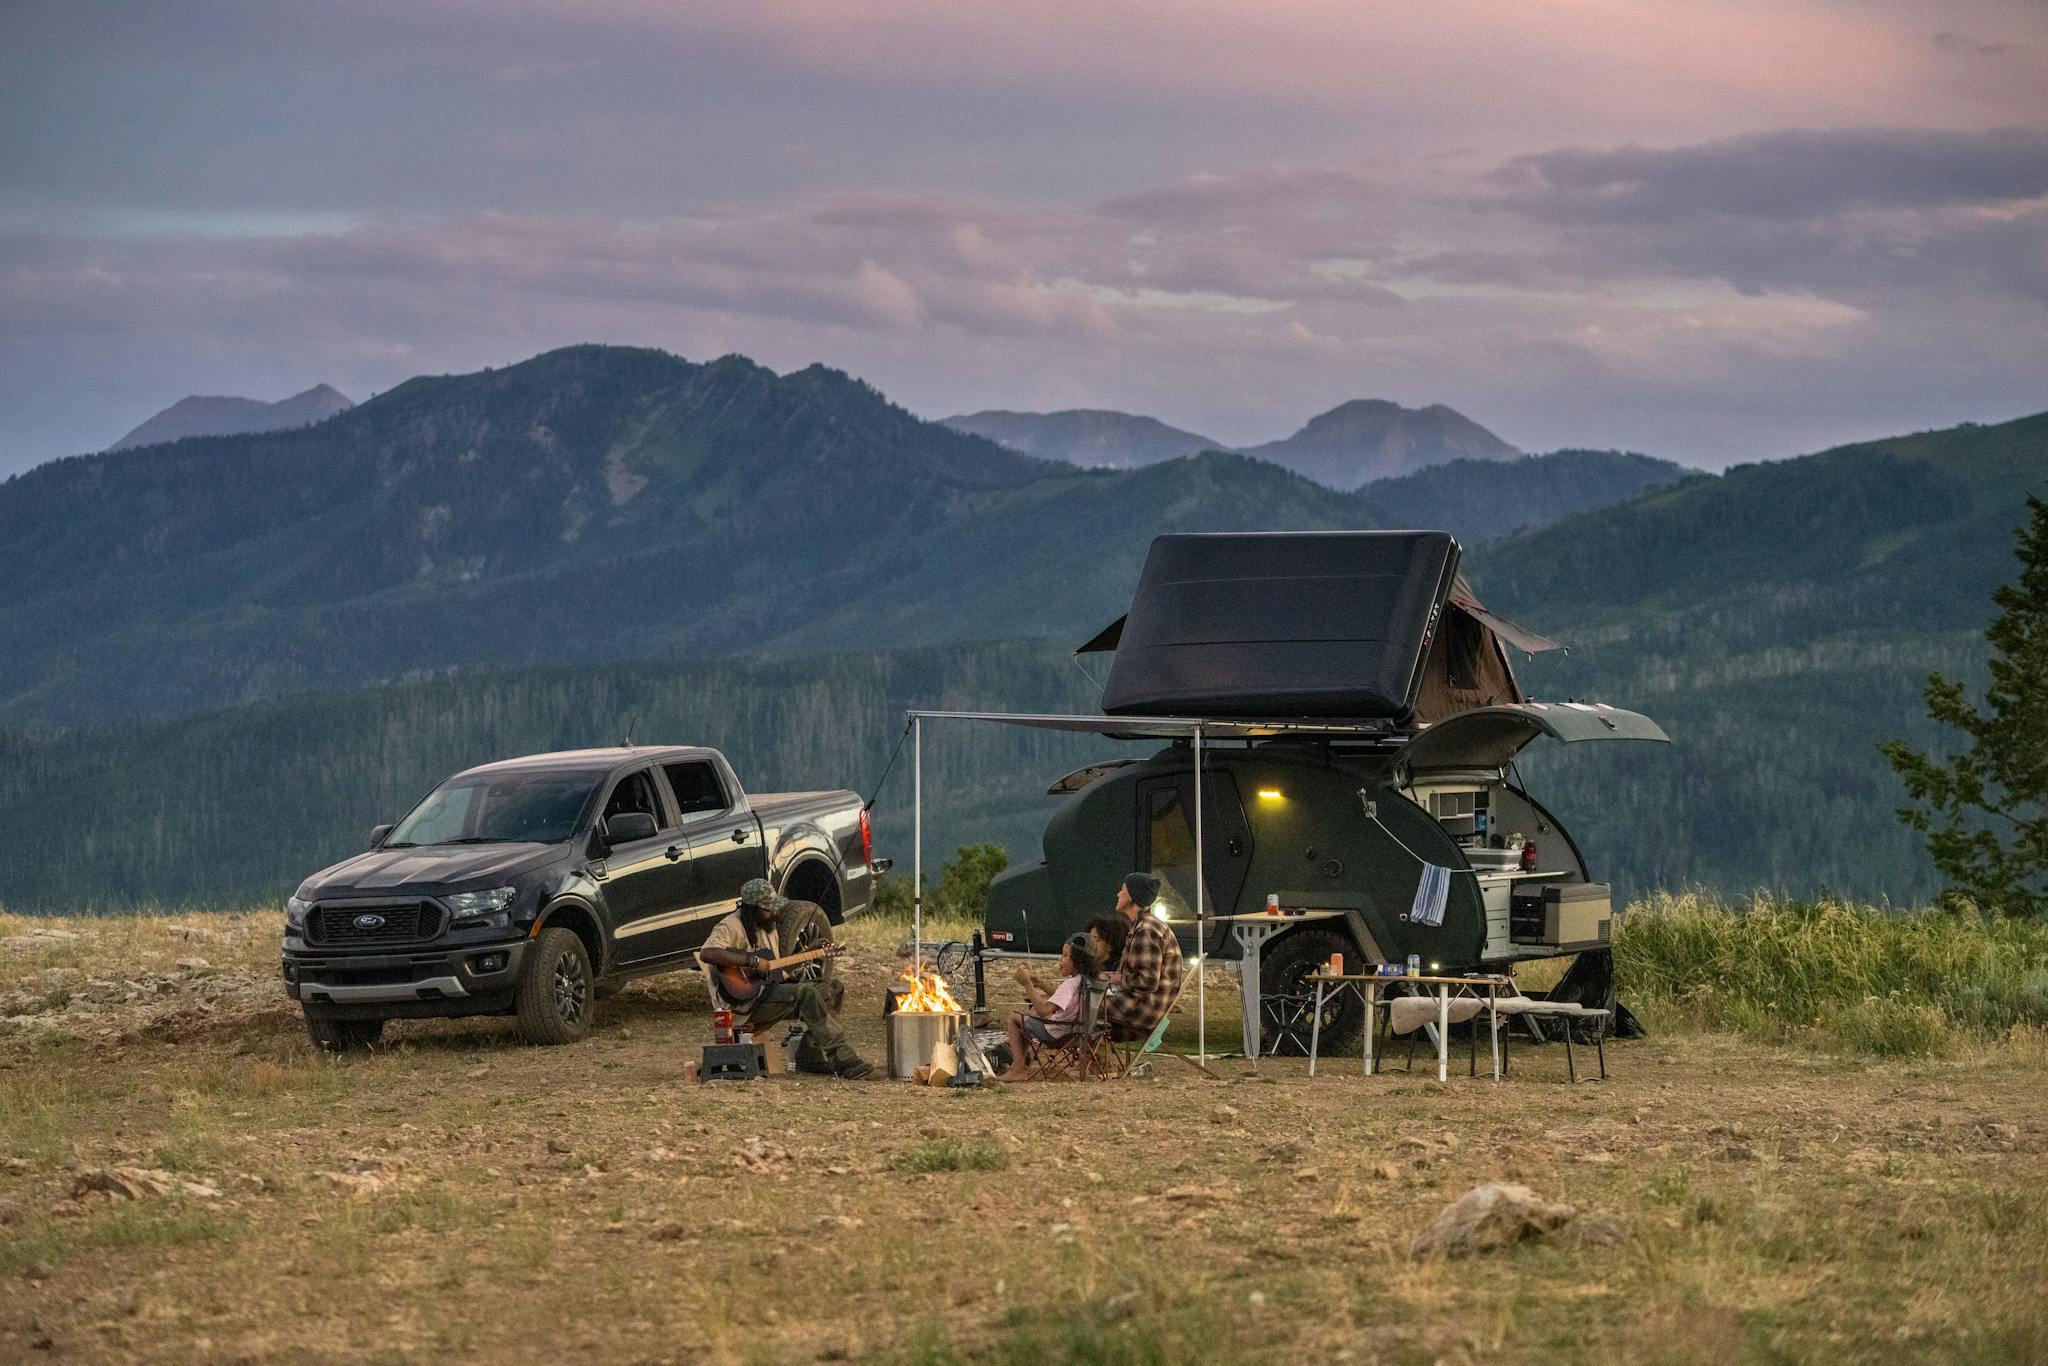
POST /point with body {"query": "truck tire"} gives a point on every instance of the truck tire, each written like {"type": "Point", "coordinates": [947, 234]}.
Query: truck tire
{"type": "Point", "coordinates": [331, 1035]}
{"type": "Point", "coordinates": [1287, 1000]}
{"type": "Point", "coordinates": [556, 991]}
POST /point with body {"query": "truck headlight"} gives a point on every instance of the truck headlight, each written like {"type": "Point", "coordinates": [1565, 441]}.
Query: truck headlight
{"type": "Point", "coordinates": [295, 914]}
{"type": "Point", "coordinates": [476, 909]}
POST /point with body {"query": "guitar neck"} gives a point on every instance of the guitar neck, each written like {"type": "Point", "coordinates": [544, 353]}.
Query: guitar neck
{"type": "Point", "coordinates": [796, 958]}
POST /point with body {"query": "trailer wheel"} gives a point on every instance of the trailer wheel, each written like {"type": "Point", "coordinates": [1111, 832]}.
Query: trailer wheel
{"type": "Point", "coordinates": [1287, 999]}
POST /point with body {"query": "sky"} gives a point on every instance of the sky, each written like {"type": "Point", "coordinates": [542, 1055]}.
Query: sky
{"type": "Point", "coordinates": [1711, 230]}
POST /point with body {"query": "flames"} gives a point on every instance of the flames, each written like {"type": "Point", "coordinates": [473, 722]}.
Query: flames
{"type": "Point", "coordinates": [926, 995]}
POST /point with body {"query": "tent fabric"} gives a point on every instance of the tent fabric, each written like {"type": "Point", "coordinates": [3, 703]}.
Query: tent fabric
{"type": "Point", "coordinates": [1108, 638]}
{"type": "Point", "coordinates": [1467, 668]}
{"type": "Point", "coordinates": [1521, 637]}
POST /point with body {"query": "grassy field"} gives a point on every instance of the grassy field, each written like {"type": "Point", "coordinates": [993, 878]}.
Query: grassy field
{"type": "Point", "coordinates": [1763, 1179]}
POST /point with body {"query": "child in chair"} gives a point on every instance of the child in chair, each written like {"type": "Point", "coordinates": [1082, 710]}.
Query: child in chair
{"type": "Point", "coordinates": [1051, 1015]}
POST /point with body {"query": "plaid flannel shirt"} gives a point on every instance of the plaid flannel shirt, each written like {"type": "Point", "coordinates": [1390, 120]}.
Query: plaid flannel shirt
{"type": "Point", "coordinates": [1148, 978]}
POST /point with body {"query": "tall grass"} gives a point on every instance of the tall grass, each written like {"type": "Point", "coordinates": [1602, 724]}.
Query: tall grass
{"type": "Point", "coordinates": [1870, 980]}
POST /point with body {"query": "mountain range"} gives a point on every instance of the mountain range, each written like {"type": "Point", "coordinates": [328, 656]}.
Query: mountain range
{"type": "Point", "coordinates": [600, 503]}
{"type": "Point", "coordinates": [1350, 446]}
{"type": "Point", "coordinates": [1778, 620]}
{"type": "Point", "coordinates": [272, 639]}
{"type": "Point", "coordinates": [201, 415]}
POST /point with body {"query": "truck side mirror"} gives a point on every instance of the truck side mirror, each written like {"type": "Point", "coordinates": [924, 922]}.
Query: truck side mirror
{"type": "Point", "coordinates": [629, 826]}
{"type": "Point", "coordinates": [377, 834]}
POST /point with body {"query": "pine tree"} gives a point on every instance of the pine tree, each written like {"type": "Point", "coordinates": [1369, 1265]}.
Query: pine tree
{"type": "Point", "coordinates": [1985, 811]}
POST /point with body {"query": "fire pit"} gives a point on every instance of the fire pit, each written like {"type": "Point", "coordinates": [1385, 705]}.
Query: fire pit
{"type": "Point", "coordinates": [926, 1016]}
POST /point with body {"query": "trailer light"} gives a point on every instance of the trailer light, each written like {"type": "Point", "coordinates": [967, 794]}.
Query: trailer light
{"type": "Point", "coordinates": [1272, 794]}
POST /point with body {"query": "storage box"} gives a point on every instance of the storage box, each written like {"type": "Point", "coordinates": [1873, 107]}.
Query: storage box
{"type": "Point", "coordinates": [1563, 915]}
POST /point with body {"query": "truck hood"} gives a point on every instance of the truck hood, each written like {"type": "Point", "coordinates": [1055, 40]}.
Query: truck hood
{"type": "Point", "coordinates": [429, 869]}
{"type": "Point", "coordinates": [1488, 737]}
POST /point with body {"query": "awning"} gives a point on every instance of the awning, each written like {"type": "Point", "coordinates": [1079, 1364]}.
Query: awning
{"type": "Point", "coordinates": [1164, 727]}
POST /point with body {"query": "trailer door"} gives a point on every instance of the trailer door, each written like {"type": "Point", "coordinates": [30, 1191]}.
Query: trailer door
{"type": "Point", "coordinates": [1166, 846]}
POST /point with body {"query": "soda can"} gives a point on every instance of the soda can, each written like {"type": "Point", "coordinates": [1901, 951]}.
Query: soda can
{"type": "Point", "coordinates": [721, 1026]}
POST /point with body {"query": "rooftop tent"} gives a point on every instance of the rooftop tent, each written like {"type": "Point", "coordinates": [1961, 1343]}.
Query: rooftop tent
{"type": "Point", "coordinates": [1269, 624]}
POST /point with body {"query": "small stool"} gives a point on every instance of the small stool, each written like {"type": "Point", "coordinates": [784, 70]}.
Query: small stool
{"type": "Point", "coordinates": [731, 1062]}
{"type": "Point", "coordinates": [1532, 1009]}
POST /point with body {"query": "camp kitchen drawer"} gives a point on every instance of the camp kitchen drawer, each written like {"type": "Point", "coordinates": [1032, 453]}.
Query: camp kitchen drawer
{"type": "Point", "coordinates": [1561, 914]}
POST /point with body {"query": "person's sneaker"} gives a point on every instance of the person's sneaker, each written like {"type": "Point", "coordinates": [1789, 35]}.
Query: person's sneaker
{"type": "Point", "coordinates": [856, 1070]}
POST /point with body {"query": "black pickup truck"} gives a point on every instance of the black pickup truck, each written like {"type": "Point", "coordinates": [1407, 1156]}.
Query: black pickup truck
{"type": "Point", "coordinates": [522, 887]}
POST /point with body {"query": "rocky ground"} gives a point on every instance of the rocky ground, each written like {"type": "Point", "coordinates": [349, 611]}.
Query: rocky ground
{"type": "Point", "coordinates": [182, 1178]}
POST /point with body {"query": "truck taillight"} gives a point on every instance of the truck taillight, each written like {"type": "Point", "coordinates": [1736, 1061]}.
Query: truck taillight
{"type": "Point", "coordinates": [1529, 857]}
{"type": "Point", "coordinates": [867, 839]}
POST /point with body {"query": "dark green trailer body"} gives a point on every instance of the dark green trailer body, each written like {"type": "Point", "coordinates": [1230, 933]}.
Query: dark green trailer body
{"type": "Point", "coordinates": [1325, 825]}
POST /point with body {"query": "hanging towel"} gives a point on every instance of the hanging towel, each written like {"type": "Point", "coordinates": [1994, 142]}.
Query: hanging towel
{"type": "Point", "coordinates": [1430, 895]}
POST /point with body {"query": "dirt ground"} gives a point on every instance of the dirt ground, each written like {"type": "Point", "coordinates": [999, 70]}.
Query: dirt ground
{"type": "Point", "coordinates": [459, 1196]}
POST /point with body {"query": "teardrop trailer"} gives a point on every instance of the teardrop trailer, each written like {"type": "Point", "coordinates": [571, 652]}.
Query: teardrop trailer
{"type": "Point", "coordinates": [1340, 714]}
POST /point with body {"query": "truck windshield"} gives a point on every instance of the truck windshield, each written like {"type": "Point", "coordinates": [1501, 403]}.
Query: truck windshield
{"type": "Point", "coordinates": [498, 808]}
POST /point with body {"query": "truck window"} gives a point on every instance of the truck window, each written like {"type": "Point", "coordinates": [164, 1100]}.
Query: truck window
{"type": "Point", "coordinates": [440, 818]}
{"type": "Point", "coordinates": [634, 793]}
{"type": "Point", "coordinates": [696, 787]}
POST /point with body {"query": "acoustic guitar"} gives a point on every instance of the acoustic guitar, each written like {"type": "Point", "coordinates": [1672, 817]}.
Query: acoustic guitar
{"type": "Point", "coordinates": [740, 985]}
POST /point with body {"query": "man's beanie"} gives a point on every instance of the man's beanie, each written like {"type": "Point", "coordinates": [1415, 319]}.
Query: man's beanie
{"type": "Point", "coordinates": [1143, 887]}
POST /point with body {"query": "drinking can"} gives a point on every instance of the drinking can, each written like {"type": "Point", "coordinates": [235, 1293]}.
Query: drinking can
{"type": "Point", "coordinates": [1272, 903]}
{"type": "Point", "coordinates": [1414, 965]}
{"type": "Point", "coordinates": [721, 1026]}
{"type": "Point", "coordinates": [1336, 965]}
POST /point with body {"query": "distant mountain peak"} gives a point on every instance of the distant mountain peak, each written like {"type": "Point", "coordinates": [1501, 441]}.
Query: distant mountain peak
{"type": "Point", "coordinates": [1366, 439]}
{"type": "Point", "coordinates": [1095, 437]}
{"type": "Point", "coordinates": [225, 415]}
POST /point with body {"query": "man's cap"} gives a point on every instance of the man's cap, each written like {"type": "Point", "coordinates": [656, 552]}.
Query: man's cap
{"type": "Point", "coordinates": [759, 891]}
{"type": "Point", "coordinates": [1143, 887]}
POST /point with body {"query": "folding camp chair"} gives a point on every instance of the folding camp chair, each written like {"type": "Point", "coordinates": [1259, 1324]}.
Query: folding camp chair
{"type": "Point", "coordinates": [1087, 1052]}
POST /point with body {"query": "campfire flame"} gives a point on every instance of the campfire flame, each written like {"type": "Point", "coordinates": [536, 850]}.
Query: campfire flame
{"type": "Point", "coordinates": [926, 995]}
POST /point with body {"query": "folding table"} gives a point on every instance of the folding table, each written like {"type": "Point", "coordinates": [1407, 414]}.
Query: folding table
{"type": "Point", "coordinates": [1368, 987]}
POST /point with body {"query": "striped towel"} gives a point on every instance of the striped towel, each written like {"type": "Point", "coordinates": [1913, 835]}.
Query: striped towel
{"type": "Point", "coordinates": [1430, 895]}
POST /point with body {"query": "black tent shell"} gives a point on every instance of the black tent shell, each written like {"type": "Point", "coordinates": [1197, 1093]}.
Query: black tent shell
{"type": "Point", "coordinates": [1268, 624]}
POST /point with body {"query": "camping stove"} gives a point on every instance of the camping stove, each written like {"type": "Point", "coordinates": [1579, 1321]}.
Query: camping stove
{"type": "Point", "coordinates": [913, 1034]}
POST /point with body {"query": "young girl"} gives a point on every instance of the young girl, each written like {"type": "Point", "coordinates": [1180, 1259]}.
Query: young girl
{"type": "Point", "coordinates": [1050, 1015]}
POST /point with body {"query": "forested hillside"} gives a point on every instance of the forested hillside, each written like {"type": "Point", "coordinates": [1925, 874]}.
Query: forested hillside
{"type": "Point", "coordinates": [243, 803]}
{"type": "Point", "coordinates": [1780, 621]}
{"type": "Point", "coordinates": [793, 561]}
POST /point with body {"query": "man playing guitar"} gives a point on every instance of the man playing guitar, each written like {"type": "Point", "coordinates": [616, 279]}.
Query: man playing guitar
{"type": "Point", "coordinates": [742, 947]}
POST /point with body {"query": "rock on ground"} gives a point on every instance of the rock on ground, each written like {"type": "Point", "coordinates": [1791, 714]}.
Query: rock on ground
{"type": "Point", "coordinates": [1491, 1216]}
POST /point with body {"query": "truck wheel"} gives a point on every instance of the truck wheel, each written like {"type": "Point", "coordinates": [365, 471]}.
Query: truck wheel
{"type": "Point", "coordinates": [556, 991]}
{"type": "Point", "coordinates": [1287, 1000]}
{"type": "Point", "coordinates": [330, 1035]}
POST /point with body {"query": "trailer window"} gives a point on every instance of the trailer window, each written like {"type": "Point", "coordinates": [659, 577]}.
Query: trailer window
{"type": "Point", "coordinates": [696, 786]}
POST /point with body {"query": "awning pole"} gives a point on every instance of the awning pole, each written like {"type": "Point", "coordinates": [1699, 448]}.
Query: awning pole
{"type": "Point", "coordinates": [917, 845]}
{"type": "Point", "coordinates": [1201, 919]}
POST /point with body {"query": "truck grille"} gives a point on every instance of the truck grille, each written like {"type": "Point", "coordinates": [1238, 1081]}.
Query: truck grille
{"type": "Point", "coordinates": [409, 922]}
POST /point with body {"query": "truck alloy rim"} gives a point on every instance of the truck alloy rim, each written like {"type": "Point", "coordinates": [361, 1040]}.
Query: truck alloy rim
{"type": "Point", "coordinates": [570, 988]}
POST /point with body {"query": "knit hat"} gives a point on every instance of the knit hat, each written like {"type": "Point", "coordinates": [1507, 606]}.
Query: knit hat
{"type": "Point", "coordinates": [1143, 887]}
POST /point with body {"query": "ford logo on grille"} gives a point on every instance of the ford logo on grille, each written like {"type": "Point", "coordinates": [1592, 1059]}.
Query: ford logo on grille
{"type": "Point", "coordinates": [369, 922]}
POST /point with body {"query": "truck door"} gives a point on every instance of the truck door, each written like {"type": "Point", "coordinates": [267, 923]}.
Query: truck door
{"type": "Point", "coordinates": [647, 882]}
{"type": "Point", "coordinates": [725, 840]}
{"type": "Point", "coordinates": [1166, 846]}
